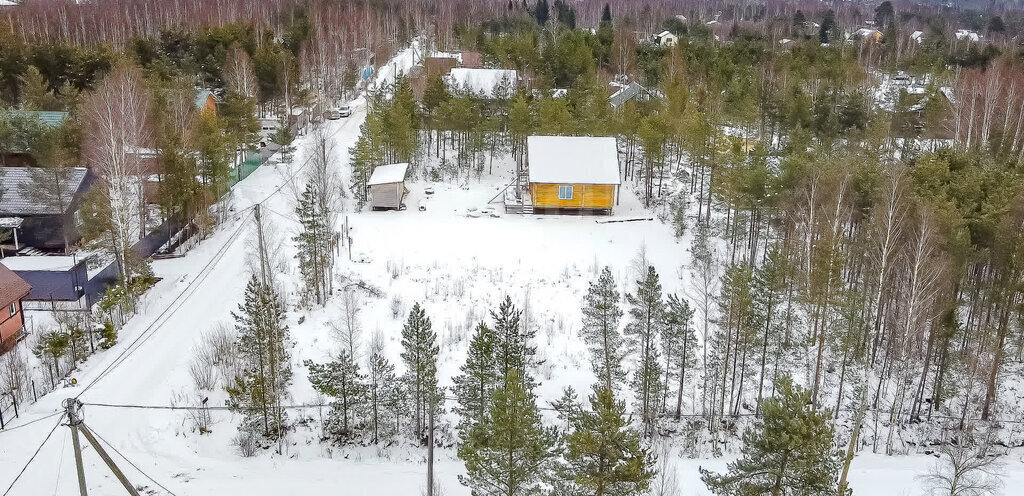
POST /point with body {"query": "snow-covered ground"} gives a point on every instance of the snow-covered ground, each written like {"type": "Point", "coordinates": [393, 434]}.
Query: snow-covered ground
{"type": "Point", "coordinates": [456, 257]}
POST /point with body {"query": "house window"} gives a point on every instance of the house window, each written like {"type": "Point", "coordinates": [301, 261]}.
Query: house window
{"type": "Point", "coordinates": [565, 192]}
{"type": "Point", "coordinates": [14, 308]}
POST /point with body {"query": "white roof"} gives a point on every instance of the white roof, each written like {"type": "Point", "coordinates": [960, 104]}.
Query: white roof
{"type": "Point", "coordinates": [965, 34]}
{"type": "Point", "coordinates": [917, 35]}
{"type": "Point", "coordinates": [482, 81]}
{"type": "Point", "coordinates": [387, 174]}
{"type": "Point", "coordinates": [664, 34]}
{"type": "Point", "coordinates": [573, 160]}
{"type": "Point", "coordinates": [40, 262]}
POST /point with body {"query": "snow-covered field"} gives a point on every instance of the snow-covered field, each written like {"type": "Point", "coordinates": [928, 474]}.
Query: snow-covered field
{"type": "Point", "coordinates": [454, 259]}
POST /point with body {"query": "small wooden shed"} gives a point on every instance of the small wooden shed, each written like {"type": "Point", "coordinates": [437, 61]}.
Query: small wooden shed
{"type": "Point", "coordinates": [569, 173]}
{"type": "Point", "coordinates": [387, 186]}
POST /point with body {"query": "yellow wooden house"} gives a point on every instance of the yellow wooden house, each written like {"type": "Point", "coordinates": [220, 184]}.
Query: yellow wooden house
{"type": "Point", "coordinates": [573, 174]}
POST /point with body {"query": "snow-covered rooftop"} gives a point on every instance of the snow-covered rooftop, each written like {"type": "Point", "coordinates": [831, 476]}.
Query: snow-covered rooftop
{"type": "Point", "coordinates": [21, 197]}
{"type": "Point", "coordinates": [387, 174]}
{"type": "Point", "coordinates": [482, 81]}
{"type": "Point", "coordinates": [964, 34]}
{"type": "Point", "coordinates": [573, 160]}
{"type": "Point", "coordinates": [41, 262]}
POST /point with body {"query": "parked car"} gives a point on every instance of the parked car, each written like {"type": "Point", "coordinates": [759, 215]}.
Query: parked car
{"type": "Point", "coordinates": [345, 110]}
{"type": "Point", "coordinates": [332, 114]}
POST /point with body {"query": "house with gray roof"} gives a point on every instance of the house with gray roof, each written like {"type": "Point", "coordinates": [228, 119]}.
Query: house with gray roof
{"type": "Point", "coordinates": [632, 91]}
{"type": "Point", "coordinates": [40, 206]}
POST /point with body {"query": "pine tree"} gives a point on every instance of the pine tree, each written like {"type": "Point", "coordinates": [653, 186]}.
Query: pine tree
{"type": "Point", "coordinates": [381, 382]}
{"type": "Point", "coordinates": [475, 386]}
{"type": "Point", "coordinates": [568, 407]}
{"type": "Point", "coordinates": [419, 351]}
{"type": "Point", "coordinates": [513, 352]}
{"type": "Point", "coordinates": [679, 344]}
{"type": "Point", "coordinates": [263, 348]}
{"type": "Point", "coordinates": [605, 454]}
{"type": "Point", "coordinates": [601, 315]}
{"type": "Point", "coordinates": [340, 379]}
{"type": "Point", "coordinates": [790, 451]}
{"type": "Point", "coordinates": [508, 455]}
{"type": "Point", "coordinates": [314, 242]}
{"type": "Point", "coordinates": [647, 321]}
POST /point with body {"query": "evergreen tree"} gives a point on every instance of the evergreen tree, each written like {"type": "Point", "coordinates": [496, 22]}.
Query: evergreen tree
{"type": "Point", "coordinates": [340, 379]}
{"type": "Point", "coordinates": [606, 14]}
{"type": "Point", "coordinates": [679, 344]}
{"type": "Point", "coordinates": [382, 383]}
{"type": "Point", "coordinates": [647, 321]}
{"type": "Point", "coordinates": [508, 455]}
{"type": "Point", "coordinates": [568, 407]}
{"type": "Point", "coordinates": [828, 23]}
{"type": "Point", "coordinates": [315, 246]}
{"type": "Point", "coordinates": [266, 369]}
{"type": "Point", "coordinates": [601, 315]}
{"type": "Point", "coordinates": [605, 454]}
{"type": "Point", "coordinates": [419, 351]}
{"type": "Point", "coordinates": [35, 92]}
{"type": "Point", "coordinates": [475, 386]}
{"type": "Point", "coordinates": [513, 352]}
{"type": "Point", "coordinates": [541, 12]}
{"type": "Point", "coordinates": [790, 452]}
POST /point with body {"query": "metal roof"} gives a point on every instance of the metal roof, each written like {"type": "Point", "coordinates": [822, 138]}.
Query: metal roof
{"type": "Point", "coordinates": [626, 94]}
{"type": "Point", "coordinates": [20, 198]}
{"type": "Point", "coordinates": [48, 118]}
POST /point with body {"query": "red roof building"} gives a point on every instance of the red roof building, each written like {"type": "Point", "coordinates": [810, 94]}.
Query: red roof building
{"type": "Point", "coordinates": [13, 290]}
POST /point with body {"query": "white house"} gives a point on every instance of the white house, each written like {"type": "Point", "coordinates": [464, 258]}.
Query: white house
{"type": "Point", "coordinates": [964, 34]}
{"type": "Point", "coordinates": [666, 39]}
{"type": "Point", "coordinates": [917, 37]}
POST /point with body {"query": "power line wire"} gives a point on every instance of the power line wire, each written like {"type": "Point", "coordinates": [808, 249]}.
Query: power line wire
{"type": "Point", "coordinates": [26, 424]}
{"type": "Point", "coordinates": [136, 467]}
{"type": "Point", "coordinates": [30, 460]}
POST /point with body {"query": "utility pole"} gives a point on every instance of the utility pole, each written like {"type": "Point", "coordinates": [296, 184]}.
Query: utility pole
{"type": "Point", "coordinates": [110, 462]}
{"type": "Point", "coordinates": [72, 405]}
{"type": "Point", "coordinates": [264, 265]}
{"type": "Point", "coordinates": [430, 445]}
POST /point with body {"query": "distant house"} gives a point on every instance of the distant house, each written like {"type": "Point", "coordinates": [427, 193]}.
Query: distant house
{"type": "Point", "coordinates": [387, 186]}
{"type": "Point", "coordinates": [964, 34]}
{"type": "Point", "coordinates": [55, 280]}
{"type": "Point", "coordinates": [631, 92]}
{"type": "Point", "coordinates": [206, 101]}
{"type": "Point", "coordinates": [487, 83]}
{"type": "Point", "coordinates": [666, 39]}
{"type": "Point", "coordinates": [866, 35]}
{"type": "Point", "coordinates": [14, 154]}
{"type": "Point", "coordinates": [43, 205]}
{"type": "Point", "coordinates": [917, 37]}
{"type": "Point", "coordinates": [471, 60]}
{"type": "Point", "coordinates": [439, 65]}
{"type": "Point", "coordinates": [13, 290]}
{"type": "Point", "coordinates": [569, 173]}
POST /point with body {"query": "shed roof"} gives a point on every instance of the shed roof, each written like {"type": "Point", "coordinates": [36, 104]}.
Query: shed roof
{"type": "Point", "coordinates": [471, 59]}
{"type": "Point", "coordinates": [202, 96]}
{"type": "Point", "coordinates": [482, 81]}
{"type": "Point", "coordinates": [48, 118]}
{"type": "Point", "coordinates": [573, 159]}
{"type": "Point", "coordinates": [388, 174]}
{"type": "Point", "coordinates": [18, 198]}
{"type": "Point", "coordinates": [627, 93]}
{"type": "Point", "coordinates": [12, 287]}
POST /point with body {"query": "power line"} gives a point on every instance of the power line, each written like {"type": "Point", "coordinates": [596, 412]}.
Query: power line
{"type": "Point", "coordinates": [136, 467]}
{"type": "Point", "coordinates": [178, 300]}
{"type": "Point", "coordinates": [160, 320]}
{"type": "Point", "coordinates": [26, 424]}
{"type": "Point", "coordinates": [30, 460]}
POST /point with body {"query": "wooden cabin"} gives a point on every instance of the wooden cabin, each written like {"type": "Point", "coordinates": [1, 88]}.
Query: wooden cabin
{"type": "Point", "coordinates": [206, 101]}
{"type": "Point", "coordinates": [387, 186]}
{"type": "Point", "coordinates": [13, 290]}
{"type": "Point", "coordinates": [573, 174]}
